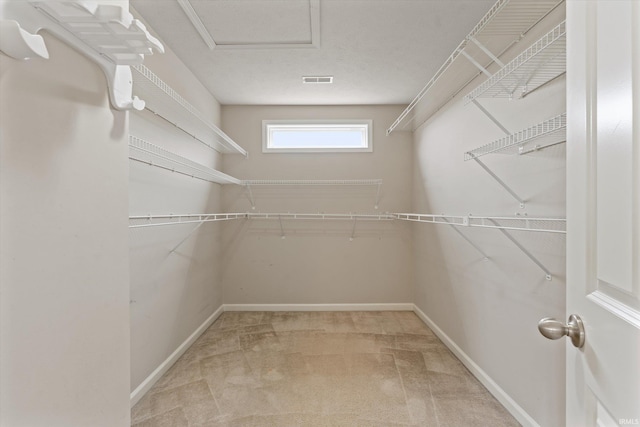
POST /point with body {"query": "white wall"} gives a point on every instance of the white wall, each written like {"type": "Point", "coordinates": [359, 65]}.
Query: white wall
{"type": "Point", "coordinates": [64, 277]}
{"type": "Point", "coordinates": [316, 262]}
{"type": "Point", "coordinates": [172, 293]}
{"type": "Point", "coordinates": [490, 309]}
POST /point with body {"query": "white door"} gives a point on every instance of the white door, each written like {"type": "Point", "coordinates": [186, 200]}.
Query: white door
{"type": "Point", "coordinates": [603, 211]}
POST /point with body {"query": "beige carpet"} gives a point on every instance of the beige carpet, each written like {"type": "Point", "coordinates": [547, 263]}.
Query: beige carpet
{"type": "Point", "coordinates": [319, 369]}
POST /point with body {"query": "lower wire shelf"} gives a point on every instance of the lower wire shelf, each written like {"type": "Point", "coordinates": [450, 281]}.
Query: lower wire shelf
{"type": "Point", "coordinates": [503, 224]}
{"type": "Point", "coordinates": [143, 221]}
{"type": "Point", "coordinates": [519, 223]}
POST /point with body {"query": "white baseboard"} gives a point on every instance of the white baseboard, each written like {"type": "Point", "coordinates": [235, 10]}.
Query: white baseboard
{"type": "Point", "coordinates": [506, 401]}
{"type": "Point", "coordinates": [144, 387]}
{"type": "Point", "coordinates": [320, 307]}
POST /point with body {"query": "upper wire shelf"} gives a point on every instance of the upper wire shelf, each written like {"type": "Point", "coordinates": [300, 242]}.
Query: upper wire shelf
{"type": "Point", "coordinates": [108, 29]}
{"type": "Point", "coordinates": [545, 134]}
{"type": "Point", "coordinates": [164, 101]}
{"type": "Point", "coordinates": [505, 24]}
{"type": "Point", "coordinates": [547, 225]}
{"type": "Point", "coordinates": [145, 152]}
{"type": "Point", "coordinates": [540, 63]}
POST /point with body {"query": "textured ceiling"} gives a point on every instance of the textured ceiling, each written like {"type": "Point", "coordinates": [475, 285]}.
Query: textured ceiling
{"type": "Point", "coordinates": [379, 51]}
{"type": "Point", "coordinates": [242, 21]}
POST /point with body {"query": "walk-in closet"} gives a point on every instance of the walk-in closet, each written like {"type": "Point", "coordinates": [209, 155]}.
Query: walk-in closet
{"type": "Point", "coordinates": [319, 213]}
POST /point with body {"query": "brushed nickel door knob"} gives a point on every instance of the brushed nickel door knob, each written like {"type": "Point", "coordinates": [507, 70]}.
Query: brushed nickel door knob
{"type": "Point", "coordinates": [554, 329]}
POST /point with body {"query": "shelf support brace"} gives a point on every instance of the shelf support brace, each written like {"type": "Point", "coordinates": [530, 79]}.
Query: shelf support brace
{"type": "Point", "coordinates": [187, 236]}
{"type": "Point", "coordinates": [282, 236]}
{"type": "Point", "coordinates": [524, 250]}
{"type": "Point", "coordinates": [377, 196]}
{"type": "Point", "coordinates": [487, 51]}
{"type": "Point", "coordinates": [501, 182]}
{"type": "Point", "coordinates": [353, 230]}
{"type": "Point", "coordinates": [476, 64]}
{"type": "Point", "coordinates": [461, 234]}
{"type": "Point", "coordinates": [250, 195]}
{"type": "Point", "coordinates": [491, 117]}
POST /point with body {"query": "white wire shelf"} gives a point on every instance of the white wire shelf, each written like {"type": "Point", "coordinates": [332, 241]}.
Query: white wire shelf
{"type": "Point", "coordinates": [110, 30]}
{"type": "Point", "coordinates": [505, 24]}
{"type": "Point", "coordinates": [303, 182]}
{"type": "Point", "coordinates": [550, 132]}
{"type": "Point", "coordinates": [322, 216]}
{"type": "Point", "coordinates": [143, 221]}
{"type": "Point", "coordinates": [540, 63]}
{"type": "Point", "coordinates": [520, 223]}
{"type": "Point", "coordinates": [145, 152]}
{"type": "Point", "coordinates": [162, 100]}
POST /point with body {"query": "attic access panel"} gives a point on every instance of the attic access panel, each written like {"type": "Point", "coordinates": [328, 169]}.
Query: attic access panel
{"type": "Point", "coordinates": [238, 24]}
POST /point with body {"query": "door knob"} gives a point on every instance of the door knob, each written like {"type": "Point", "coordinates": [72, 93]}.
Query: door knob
{"type": "Point", "coordinates": [554, 329]}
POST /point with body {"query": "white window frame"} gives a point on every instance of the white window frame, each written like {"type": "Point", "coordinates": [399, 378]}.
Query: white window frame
{"type": "Point", "coordinates": [269, 124]}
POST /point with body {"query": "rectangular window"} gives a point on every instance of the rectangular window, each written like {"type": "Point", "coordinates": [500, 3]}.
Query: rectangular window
{"type": "Point", "coordinates": [316, 136]}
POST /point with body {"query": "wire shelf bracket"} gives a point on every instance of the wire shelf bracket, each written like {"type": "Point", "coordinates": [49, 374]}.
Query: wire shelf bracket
{"type": "Point", "coordinates": [542, 135]}
{"type": "Point", "coordinates": [502, 224]}
{"type": "Point", "coordinates": [485, 257]}
{"type": "Point", "coordinates": [104, 32]}
{"type": "Point", "coordinates": [491, 117]}
{"type": "Point", "coordinates": [506, 23]}
{"type": "Point", "coordinates": [150, 154]}
{"type": "Point", "coordinates": [542, 62]}
{"type": "Point", "coordinates": [198, 219]}
{"type": "Point", "coordinates": [523, 249]}
{"type": "Point", "coordinates": [164, 101]}
{"type": "Point", "coordinates": [520, 200]}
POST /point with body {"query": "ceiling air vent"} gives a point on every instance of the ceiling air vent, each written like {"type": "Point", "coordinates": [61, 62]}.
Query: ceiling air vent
{"type": "Point", "coordinates": [317, 79]}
